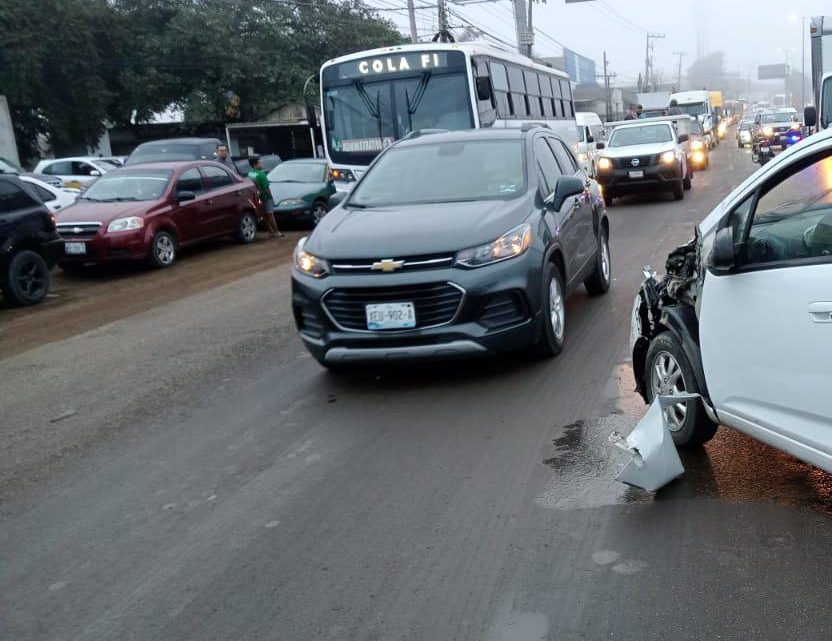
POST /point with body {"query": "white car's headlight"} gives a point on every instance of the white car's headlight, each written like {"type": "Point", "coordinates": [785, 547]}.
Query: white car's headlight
{"type": "Point", "coordinates": [308, 263]}
{"type": "Point", "coordinates": [583, 157]}
{"type": "Point", "coordinates": [292, 202]}
{"type": "Point", "coordinates": [668, 157]}
{"type": "Point", "coordinates": [126, 224]}
{"type": "Point", "coordinates": [604, 163]}
{"type": "Point", "coordinates": [509, 245]}
{"type": "Point", "coordinates": [767, 131]}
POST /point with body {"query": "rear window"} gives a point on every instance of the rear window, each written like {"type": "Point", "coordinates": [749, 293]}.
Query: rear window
{"type": "Point", "coordinates": [13, 197]}
{"type": "Point", "coordinates": [158, 152]}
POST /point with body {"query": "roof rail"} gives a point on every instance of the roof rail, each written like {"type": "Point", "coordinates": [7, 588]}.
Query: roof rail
{"type": "Point", "coordinates": [418, 133]}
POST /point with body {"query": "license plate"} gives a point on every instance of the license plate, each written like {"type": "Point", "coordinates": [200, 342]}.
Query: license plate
{"type": "Point", "coordinates": [636, 174]}
{"type": "Point", "coordinates": [75, 248]}
{"type": "Point", "coordinates": [765, 150]}
{"type": "Point", "coordinates": [391, 316]}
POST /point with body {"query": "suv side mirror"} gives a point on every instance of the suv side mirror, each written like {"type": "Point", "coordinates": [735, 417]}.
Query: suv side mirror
{"type": "Point", "coordinates": [683, 137]}
{"type": "Point", "coordinates": [599, 145]}
{"type": "Point", "coordinates": [565, 187]}
{"type": "Point", "coordinates": [810, 116]}
{"type": "Point", "coordinates": [590, 138]}
{"type": "Point", "coordinates": [182, 196]}
{"type": "Point", "coordinates": [484, 88]}
{"type": "Point", "coordinates": [95, 173]}
{"type": "Point", "coordinates": [721, 261]}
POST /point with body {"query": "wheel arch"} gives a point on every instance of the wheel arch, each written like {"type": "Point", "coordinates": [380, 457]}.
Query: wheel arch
{"type": "Point", "coordinates": [681, 321]}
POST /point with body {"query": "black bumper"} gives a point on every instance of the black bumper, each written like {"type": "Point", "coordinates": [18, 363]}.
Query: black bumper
{"type": "Point", "coordinates": [654, 178]}
{"type": "Point", "coordinates": [473, 328]}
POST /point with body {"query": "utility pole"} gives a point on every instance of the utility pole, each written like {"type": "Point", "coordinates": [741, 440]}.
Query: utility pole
{"type": "Point", "coordinates": [607, 91]}
{"type": "Point", "coordinates": [411, 13]}
{"type": "Point", "coordinates": [679, 75]}
{"type": "Point", "coordinates": [443, 35]}
{"type": "Point", "coordinates": [525, 39]}
{"type": "Point", "coordinates": [647, 62]}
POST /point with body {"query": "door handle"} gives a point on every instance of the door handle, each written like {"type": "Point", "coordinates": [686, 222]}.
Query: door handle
{"type": "Point", "coordinates": [821, 312]}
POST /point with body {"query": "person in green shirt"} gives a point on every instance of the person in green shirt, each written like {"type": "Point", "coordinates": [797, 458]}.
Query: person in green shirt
{"type": "Point", "coordinates": [260, 179]}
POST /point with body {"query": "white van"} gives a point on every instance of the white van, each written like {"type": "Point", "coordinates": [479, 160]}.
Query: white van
{"type": "Point", "coordinates": [590, 131]}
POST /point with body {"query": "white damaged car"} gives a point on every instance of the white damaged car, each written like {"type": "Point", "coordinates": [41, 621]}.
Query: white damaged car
{"type": "Point", "coordinates": [743, 315]}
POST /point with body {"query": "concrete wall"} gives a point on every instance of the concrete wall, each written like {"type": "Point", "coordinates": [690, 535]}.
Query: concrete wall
{"type": "Point", "coordinates": [8, 147]}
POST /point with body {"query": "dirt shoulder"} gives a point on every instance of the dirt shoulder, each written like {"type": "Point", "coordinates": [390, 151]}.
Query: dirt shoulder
{"type": "Point", "coordinates": [77, 304]}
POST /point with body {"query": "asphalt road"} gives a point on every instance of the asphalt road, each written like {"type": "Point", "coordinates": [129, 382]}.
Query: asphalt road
{"type": "Point", "coordinates": [244, 493]}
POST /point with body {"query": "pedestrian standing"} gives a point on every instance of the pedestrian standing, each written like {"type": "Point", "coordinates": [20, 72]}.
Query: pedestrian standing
{"type": "Point", "coordinates": [222, 157]}
{"type": "Point", "coordinates": [260, 179]}
{"type": "Point", "coordinates": [638, 111]}
{"type": "Point", "coordinates": [631, 114]}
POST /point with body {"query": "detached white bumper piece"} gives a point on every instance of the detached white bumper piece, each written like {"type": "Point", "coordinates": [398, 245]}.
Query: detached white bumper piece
{"type": "Point", "coordinates": [654, 461]}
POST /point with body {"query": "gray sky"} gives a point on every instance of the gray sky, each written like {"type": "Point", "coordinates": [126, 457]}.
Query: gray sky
{"type": "Point", "coordinates": [749, 32]}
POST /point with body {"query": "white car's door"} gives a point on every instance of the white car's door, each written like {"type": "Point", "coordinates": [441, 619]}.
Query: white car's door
{"type": "Point", "coordinates": [766, 328]}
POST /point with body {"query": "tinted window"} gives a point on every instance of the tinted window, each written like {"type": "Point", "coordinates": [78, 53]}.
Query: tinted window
{"type": "Point", "coordinates": [82, 168]}
{"type": "Point", "coordinates": [565, 159]}
{"type": "Point", "coordinates": [547, 164]}
{"type": "Point", "coordinates": [207, 150]}
{"type": "Point", "coordinates": [566, 92]}
{"type": "Point", "coordinates": [532, 83]}
{"type": "Point", "coordinates": [62, 168]}
{"type": "Point", "coordinates": [498, 77]}
{"type": "Point", "coordinates": [546, 86]}
{"type": "Point", "coordinates": [216, 177]}
{"type": "Point", "coordinates": [44, 194]}
{"type": "Point", "coordinates": [13, 197]}
{"type": "Point", "coordinates": [164, 151]}
{"type": "Point", "coordinates": [190, 180]}
{"type": "Point", "coordinates": [515, 80]}
{"type": "Point", "coordinates": [443, 172]}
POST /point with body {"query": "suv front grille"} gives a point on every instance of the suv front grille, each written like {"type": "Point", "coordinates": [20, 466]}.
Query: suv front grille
{"type": "Point", "coordinates": [643, 161]}
{"type": "Point", "coordinates": [409, 263]}
{"type": "Point", "coordinates": [78, 230]}
{"type": "Point", "coordinates": [434, 303]}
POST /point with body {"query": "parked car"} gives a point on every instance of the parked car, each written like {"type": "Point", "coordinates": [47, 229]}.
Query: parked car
{"type": "Point", "coordinates": [453, 244]}
{"type": "Point", "coordinates": [53, 197]}
{"type": "Point", "coordinates": [744, 133]}
{"type": "Point", "coordinates": [644, 157]}
{"type": "Point", "coordinates": [174, 149]}
{"type": "Point", "coordinates": [268, 162]}
{"type": "Point", "coordinates": [301, 190]}
{"type": "Point", "coordinates": [743, 314]}
{"type": "Point", "coordinates": [8, 167]}
{"type": "Point", "coordinates": [75, 172]}
{"type": "Point", "coordinates": [148, 212]}
{"type": "Point", "coordinates": [29, 245]}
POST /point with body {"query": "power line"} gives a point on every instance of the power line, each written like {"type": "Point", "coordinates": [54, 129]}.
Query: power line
{"type": "Point", "coordinates": [613, 11]}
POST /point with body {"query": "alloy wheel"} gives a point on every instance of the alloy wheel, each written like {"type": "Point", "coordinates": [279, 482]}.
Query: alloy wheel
{"type": "Point", "coordinates": [666, 379]}
{"type": "Point", "coordinates": [318, 212]}
{"type": "Point", "coordinates": [248, 228]}
{"type": "Point", "coordinates": [31, 279]}
{"type": "Point", "coordinates": [556, 308]}
{"type": "Point", "coordinates": [165, 250]}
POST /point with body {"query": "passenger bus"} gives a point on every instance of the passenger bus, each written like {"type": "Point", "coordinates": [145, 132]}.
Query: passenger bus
{"type": "Point", "coordinates": [372, 98]}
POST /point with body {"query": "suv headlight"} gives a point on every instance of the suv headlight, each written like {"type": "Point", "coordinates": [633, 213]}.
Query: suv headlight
{"type": "Point", "coordinates": [126, 224]}
{"type": "Point", "coordinates": [604, 163]}
{"type": "Point", "coordinates": [511, 244]}
{"type": "Point", "coordinates": [309, 263]}
{"type": "Point", "coordinates": [696, 144]}
{"type": "Point", "coordinates": [668, 157]}
{"type": "Point", "coordinates": [767, 131]}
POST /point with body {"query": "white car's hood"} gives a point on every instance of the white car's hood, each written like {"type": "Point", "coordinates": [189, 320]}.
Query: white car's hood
{"type": "Point", "coordinates": [638, 150]}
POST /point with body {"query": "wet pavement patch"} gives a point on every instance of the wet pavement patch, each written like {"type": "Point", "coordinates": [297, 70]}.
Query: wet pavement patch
{"type": "Point", "coordinates": [732, 467]}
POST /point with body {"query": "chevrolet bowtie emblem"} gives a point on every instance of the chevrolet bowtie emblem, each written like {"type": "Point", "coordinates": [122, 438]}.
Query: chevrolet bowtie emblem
{"type": "Point", "coordinates": [77, 230]}
{"type": "Point", "coordinates": [387, 265]}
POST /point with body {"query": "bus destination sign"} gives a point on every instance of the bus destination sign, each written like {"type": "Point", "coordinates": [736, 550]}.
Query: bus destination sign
{"type": "Point", "coordinates": [400, 63]}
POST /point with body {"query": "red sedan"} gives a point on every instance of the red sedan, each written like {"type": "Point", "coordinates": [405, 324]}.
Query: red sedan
{"type": "Point", "coordinates": [150, 211]}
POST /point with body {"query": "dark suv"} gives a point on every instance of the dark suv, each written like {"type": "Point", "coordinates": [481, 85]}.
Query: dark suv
{"type": "Point", "coordinates": [453, 244]}
{"type": "Point", "coordinates": [29, 245]}
{"type": "Point", "coordinates": [174, 149]}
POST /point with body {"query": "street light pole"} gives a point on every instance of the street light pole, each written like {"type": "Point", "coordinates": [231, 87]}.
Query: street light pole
{"type": "Point", "coordinates": [803, 61]}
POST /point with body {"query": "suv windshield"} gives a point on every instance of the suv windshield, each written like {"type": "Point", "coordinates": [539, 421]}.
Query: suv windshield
{"type": "Point", "coordinates": [159, 153]}
{"type": "Point", "coordinates": [301, 172]}
{"type": "Point", "coordinates": [444, 172]}
{"type": "Point", "coordinates": [147, 184]}
{"type": "Point", "coordinates": [646, 135]}
{"type": "Point", "coordinates": [776, 117]}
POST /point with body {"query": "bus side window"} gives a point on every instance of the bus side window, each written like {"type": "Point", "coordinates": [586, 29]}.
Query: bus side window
{"type": "Point", "coordinates": [546, 90]}
{"type": "Point", "coordinates": [556, 86]}
{"type": "Point", "coordinates": [485, 108]}
{"type": "Point", "coordinates": [517, 92]}
{"type": "Point", "coordinates": [566, 91]}
{"type": "Point", "coordinates": [533, 94]}
{"type": "Point", "coordinates": [499, 81]}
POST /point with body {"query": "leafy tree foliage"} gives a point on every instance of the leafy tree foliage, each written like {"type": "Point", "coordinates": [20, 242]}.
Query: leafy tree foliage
{"type": "Point", "coordinates": [69, 66]}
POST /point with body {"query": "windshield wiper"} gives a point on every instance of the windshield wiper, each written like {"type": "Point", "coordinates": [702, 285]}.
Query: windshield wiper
{"type": "Point", "coordinates": [374, 109]}
{"type": "Point", "coordinates": [421, 88]}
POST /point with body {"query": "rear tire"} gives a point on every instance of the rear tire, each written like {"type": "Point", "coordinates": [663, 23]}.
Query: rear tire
{"type": "Point", "coordinates": [247, 230]}
{"type": "Point", "coordinates": [609, 199]}
{"type": "Point", "coordinates": [678, 190]}
{"type": "Point", "coordinates": [162, 250]}
{"type": "Point", "coordinates": [553, 326]}
{"type": "Point", "coordinates": [668, 371]}
{"type": "Point", "coordinates": [27, 279]}
{"type": "Point", "coordinates": [599, 282]}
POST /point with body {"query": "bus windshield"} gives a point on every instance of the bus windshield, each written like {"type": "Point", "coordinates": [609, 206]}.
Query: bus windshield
{"type": "Point", "coordinates": [365, 111]}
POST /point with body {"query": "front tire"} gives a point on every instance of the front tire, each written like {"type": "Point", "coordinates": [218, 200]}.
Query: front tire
{"type": "Point", "coordinates": [319, 210]}
{"type": "Point", "coordinates": [678, 190]}
{"type": "Point", "coordinates": [162, 250]}
{"type": "Point", "coordinates": [599, 282]}
{"type": "Point", "coordinates": [668, 372]}
{"type": "Point", "coordinates": [687, 183]}
{"type": "Point", "coordinates": [553, 326]}
{"type": "Point", "coordinates": [247, 231]}
{"type": "Point", "coordinates": [27, 279]}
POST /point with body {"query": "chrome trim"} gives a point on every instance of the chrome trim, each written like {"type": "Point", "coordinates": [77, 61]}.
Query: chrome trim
{"type": "Point", "coordinates": [97, 224]}
{"type": "Point", "coordinates": [440, 350]}
{"type": "Point", "coordinates": [394, 332]}
{"type": "Point", "coordinates": [406, 263]}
